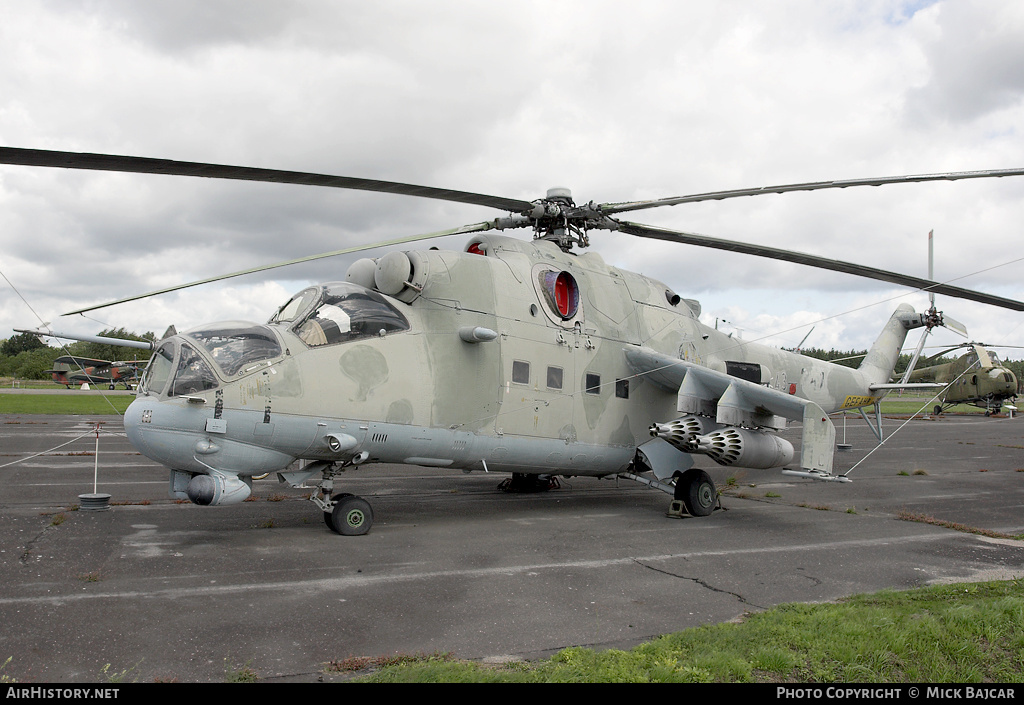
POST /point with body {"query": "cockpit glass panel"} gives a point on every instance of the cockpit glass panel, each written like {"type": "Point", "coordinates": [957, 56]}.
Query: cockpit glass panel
{"type": "Point", "coordinates": [349, 312]}
{"type": "Point", "coordinates": [297, 305]}
{"type": "Point", "coordinates": [234, 345]}
{"type": "Point", "coordinates": [193, 374]}
{"type": "Point", "coordinates": [158, 370]}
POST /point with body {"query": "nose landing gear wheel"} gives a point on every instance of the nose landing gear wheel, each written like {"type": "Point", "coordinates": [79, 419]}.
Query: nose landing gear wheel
{"type": "Point", "coordinates": [351, 516]}
{"type": "Point", "coordinates": [697, 492]}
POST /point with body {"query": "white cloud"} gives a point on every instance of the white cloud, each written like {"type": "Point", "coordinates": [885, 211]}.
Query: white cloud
{"type": "Point", "coordinates": [616, 101]}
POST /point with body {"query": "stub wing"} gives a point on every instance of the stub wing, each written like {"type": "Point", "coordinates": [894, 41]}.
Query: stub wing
{"type": "Point", "coordinates": [734, 402]}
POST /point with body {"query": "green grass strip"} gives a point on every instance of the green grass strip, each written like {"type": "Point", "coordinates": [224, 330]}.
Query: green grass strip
{"type": "Point", "coordinates": [960, 633]}
{"type": "Point", "coordinates": [74, 404]}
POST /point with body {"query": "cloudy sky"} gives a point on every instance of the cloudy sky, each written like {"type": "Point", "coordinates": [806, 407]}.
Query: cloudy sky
{"type": "Point", "coordinates": [617, 101]}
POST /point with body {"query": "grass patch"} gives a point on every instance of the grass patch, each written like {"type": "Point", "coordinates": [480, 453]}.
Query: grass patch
{"type": "Point", "coordinates": [352, 664]}
{"type": "Point", "coordinates": [926, 519]}
{"type": "Point", "coordinates": [922, 406]}
{"type": "Point", "coordinates": [65, 404]}
{"type": "Point", "coordinates": [962, 633]}
{"type": "Point", "coordinates": [241, 674]}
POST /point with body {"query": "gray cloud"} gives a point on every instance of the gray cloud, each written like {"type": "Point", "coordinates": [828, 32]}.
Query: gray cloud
{"type": "Point", "coordinates": [974, 56]}
{"type": "Point", "coordinates": [616, 101]}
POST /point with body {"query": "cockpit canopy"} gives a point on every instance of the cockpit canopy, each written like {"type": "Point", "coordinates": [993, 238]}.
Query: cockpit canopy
{"type": "Point", "coordinates": [338, 312]}
{"type": "Point", "coordinates": [200, 359]}
{"type": "Point", "coordinates": [235, 347]}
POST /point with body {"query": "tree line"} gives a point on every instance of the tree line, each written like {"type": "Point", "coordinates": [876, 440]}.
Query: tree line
{"type": "Point", "coordinates": [25, 356]}
{"type": "Point", "coordinates": [853, 358]}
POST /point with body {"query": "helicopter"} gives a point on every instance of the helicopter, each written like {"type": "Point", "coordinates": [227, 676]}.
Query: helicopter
{"type": "Point", "coordinates": [72, 369]}
{"type": "Point", "coordinates": [977, 378]}
{"type": "Point", "coordinates": [531, 358]}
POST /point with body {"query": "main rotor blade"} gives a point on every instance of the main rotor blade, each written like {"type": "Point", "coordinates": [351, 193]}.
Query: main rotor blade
{"type": "Point", "coordinates": [984, 345]}
{"type": "Point", "coordinates": [398, 241]}
{"type": "Point", "coordinates": [609, 208]}
{"type": "Point", "coordinates": [145, 165]}
{"type": "Point", "coordinates": [943, 352]}
{"type": "Point", "coordinates": [819, 262]}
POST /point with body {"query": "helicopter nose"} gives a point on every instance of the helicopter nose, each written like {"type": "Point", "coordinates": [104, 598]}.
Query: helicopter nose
{"type": "Point", "coordinates": [175, 436]}
{"type": "Point", "coordinates": [154, 442]}
{"type": "Point", "coordinates": [132, 424]}
{"type": "Point", "coordinates": [165, 433]}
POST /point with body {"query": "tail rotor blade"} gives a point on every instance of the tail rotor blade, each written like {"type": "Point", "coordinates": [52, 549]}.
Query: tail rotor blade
{"type": "Point", "coordinates": [954, 325]}
{"type": "Point", "coordinates": [931, 267]}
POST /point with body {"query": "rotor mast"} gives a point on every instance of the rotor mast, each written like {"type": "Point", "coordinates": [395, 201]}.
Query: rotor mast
{"type": "Point", "coordinates": [556, 218]}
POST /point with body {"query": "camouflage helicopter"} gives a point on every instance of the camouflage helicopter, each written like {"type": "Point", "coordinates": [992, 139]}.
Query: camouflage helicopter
{"type": "Point", "coordinates": [513, 356]}
{"type": "Point", "coordinates": [73, 369]}
{"type": "Point", "coordinates": [977, 378]}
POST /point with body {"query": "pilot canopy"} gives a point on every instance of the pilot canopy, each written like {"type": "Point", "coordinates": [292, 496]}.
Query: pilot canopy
{"type": "Point", "coordinates": [189, 362]}
{"type": "Point", "coordinates": [338, 312]}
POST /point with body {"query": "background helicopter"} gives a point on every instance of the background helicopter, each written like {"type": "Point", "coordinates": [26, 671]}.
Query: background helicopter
{"type": "Point", "coordinates": [524, 357]}
{"type": "Point", "coordinates": [73, 370]}
{"type": "Point", "coordinates": [977, 377]}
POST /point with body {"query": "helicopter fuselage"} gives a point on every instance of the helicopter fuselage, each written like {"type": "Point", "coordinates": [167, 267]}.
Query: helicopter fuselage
{"type": "Point", "coordinates": [506, 357]}
{"type": "Point", "coordinates": [976, 378]}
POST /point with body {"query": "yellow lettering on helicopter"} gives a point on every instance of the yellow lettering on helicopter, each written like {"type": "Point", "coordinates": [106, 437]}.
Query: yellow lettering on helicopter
{"type": "Point", "coordinates": [853, 402]}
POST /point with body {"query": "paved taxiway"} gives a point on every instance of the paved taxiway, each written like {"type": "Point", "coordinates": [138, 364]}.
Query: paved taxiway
{"type": "Point", "coordinates": [180, 592]}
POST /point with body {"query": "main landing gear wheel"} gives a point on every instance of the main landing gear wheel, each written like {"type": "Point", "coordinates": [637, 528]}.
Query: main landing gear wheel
{"type": "Point", "coordinates": [351, 516]}
{"type": "Point", "coordinates": [697, 492]}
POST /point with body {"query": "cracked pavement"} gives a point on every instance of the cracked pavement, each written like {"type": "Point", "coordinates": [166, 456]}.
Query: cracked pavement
{"type": "Point", "coordinates": [180, 592]}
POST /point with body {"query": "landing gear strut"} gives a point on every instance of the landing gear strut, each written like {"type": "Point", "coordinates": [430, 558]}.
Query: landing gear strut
{"type": "Point", "coordinates": [523, 482]}
{"type": "Point", "coordinates": [693, 492]}
{"type": "Point", "coordinates": [344, 513]}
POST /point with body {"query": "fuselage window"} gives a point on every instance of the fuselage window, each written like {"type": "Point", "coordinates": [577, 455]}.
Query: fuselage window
{"type": "Point", "coordinates": [622, 388]}
{"type": "Point", "coordinates": [554, 378]}
{"type": "Point", "coordinates": [593, 383]}
{"type": "Point", "coordinates": [520, 372]}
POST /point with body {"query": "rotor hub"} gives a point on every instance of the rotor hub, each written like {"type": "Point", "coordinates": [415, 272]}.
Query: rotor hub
{"type": "Point", "coordinates": [560, 193]}
{"type": "Point", "coordinates": [558, 219]}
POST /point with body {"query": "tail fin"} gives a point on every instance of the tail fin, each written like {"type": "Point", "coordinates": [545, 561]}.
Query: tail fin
{"type": "Point", "coordinates": [881, 358]}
